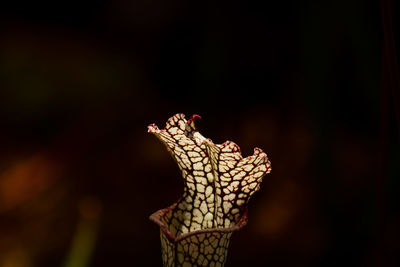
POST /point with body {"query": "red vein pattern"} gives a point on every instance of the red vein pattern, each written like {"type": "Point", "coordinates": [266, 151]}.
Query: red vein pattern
{"type": "Point", "coordinates": [218, 183]}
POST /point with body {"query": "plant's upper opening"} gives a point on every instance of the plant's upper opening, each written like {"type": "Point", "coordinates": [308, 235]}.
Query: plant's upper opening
{"type": "Point", "coordinates": [218, 180]}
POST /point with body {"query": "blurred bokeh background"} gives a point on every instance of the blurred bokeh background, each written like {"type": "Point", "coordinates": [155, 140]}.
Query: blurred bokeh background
{"type": "Point", "coordinates": [81, 80]}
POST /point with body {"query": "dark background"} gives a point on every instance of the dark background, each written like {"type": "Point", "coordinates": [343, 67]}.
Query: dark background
{"type": "Point", "coordinates": [302, 80]}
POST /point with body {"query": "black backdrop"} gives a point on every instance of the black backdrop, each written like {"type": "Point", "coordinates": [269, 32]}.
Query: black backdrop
{"type": "Point", "coordinates": [80, 82]}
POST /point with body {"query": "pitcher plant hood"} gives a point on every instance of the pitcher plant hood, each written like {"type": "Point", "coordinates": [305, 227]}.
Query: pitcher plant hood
{"type": "Point", "coordinates": [218, 184]}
